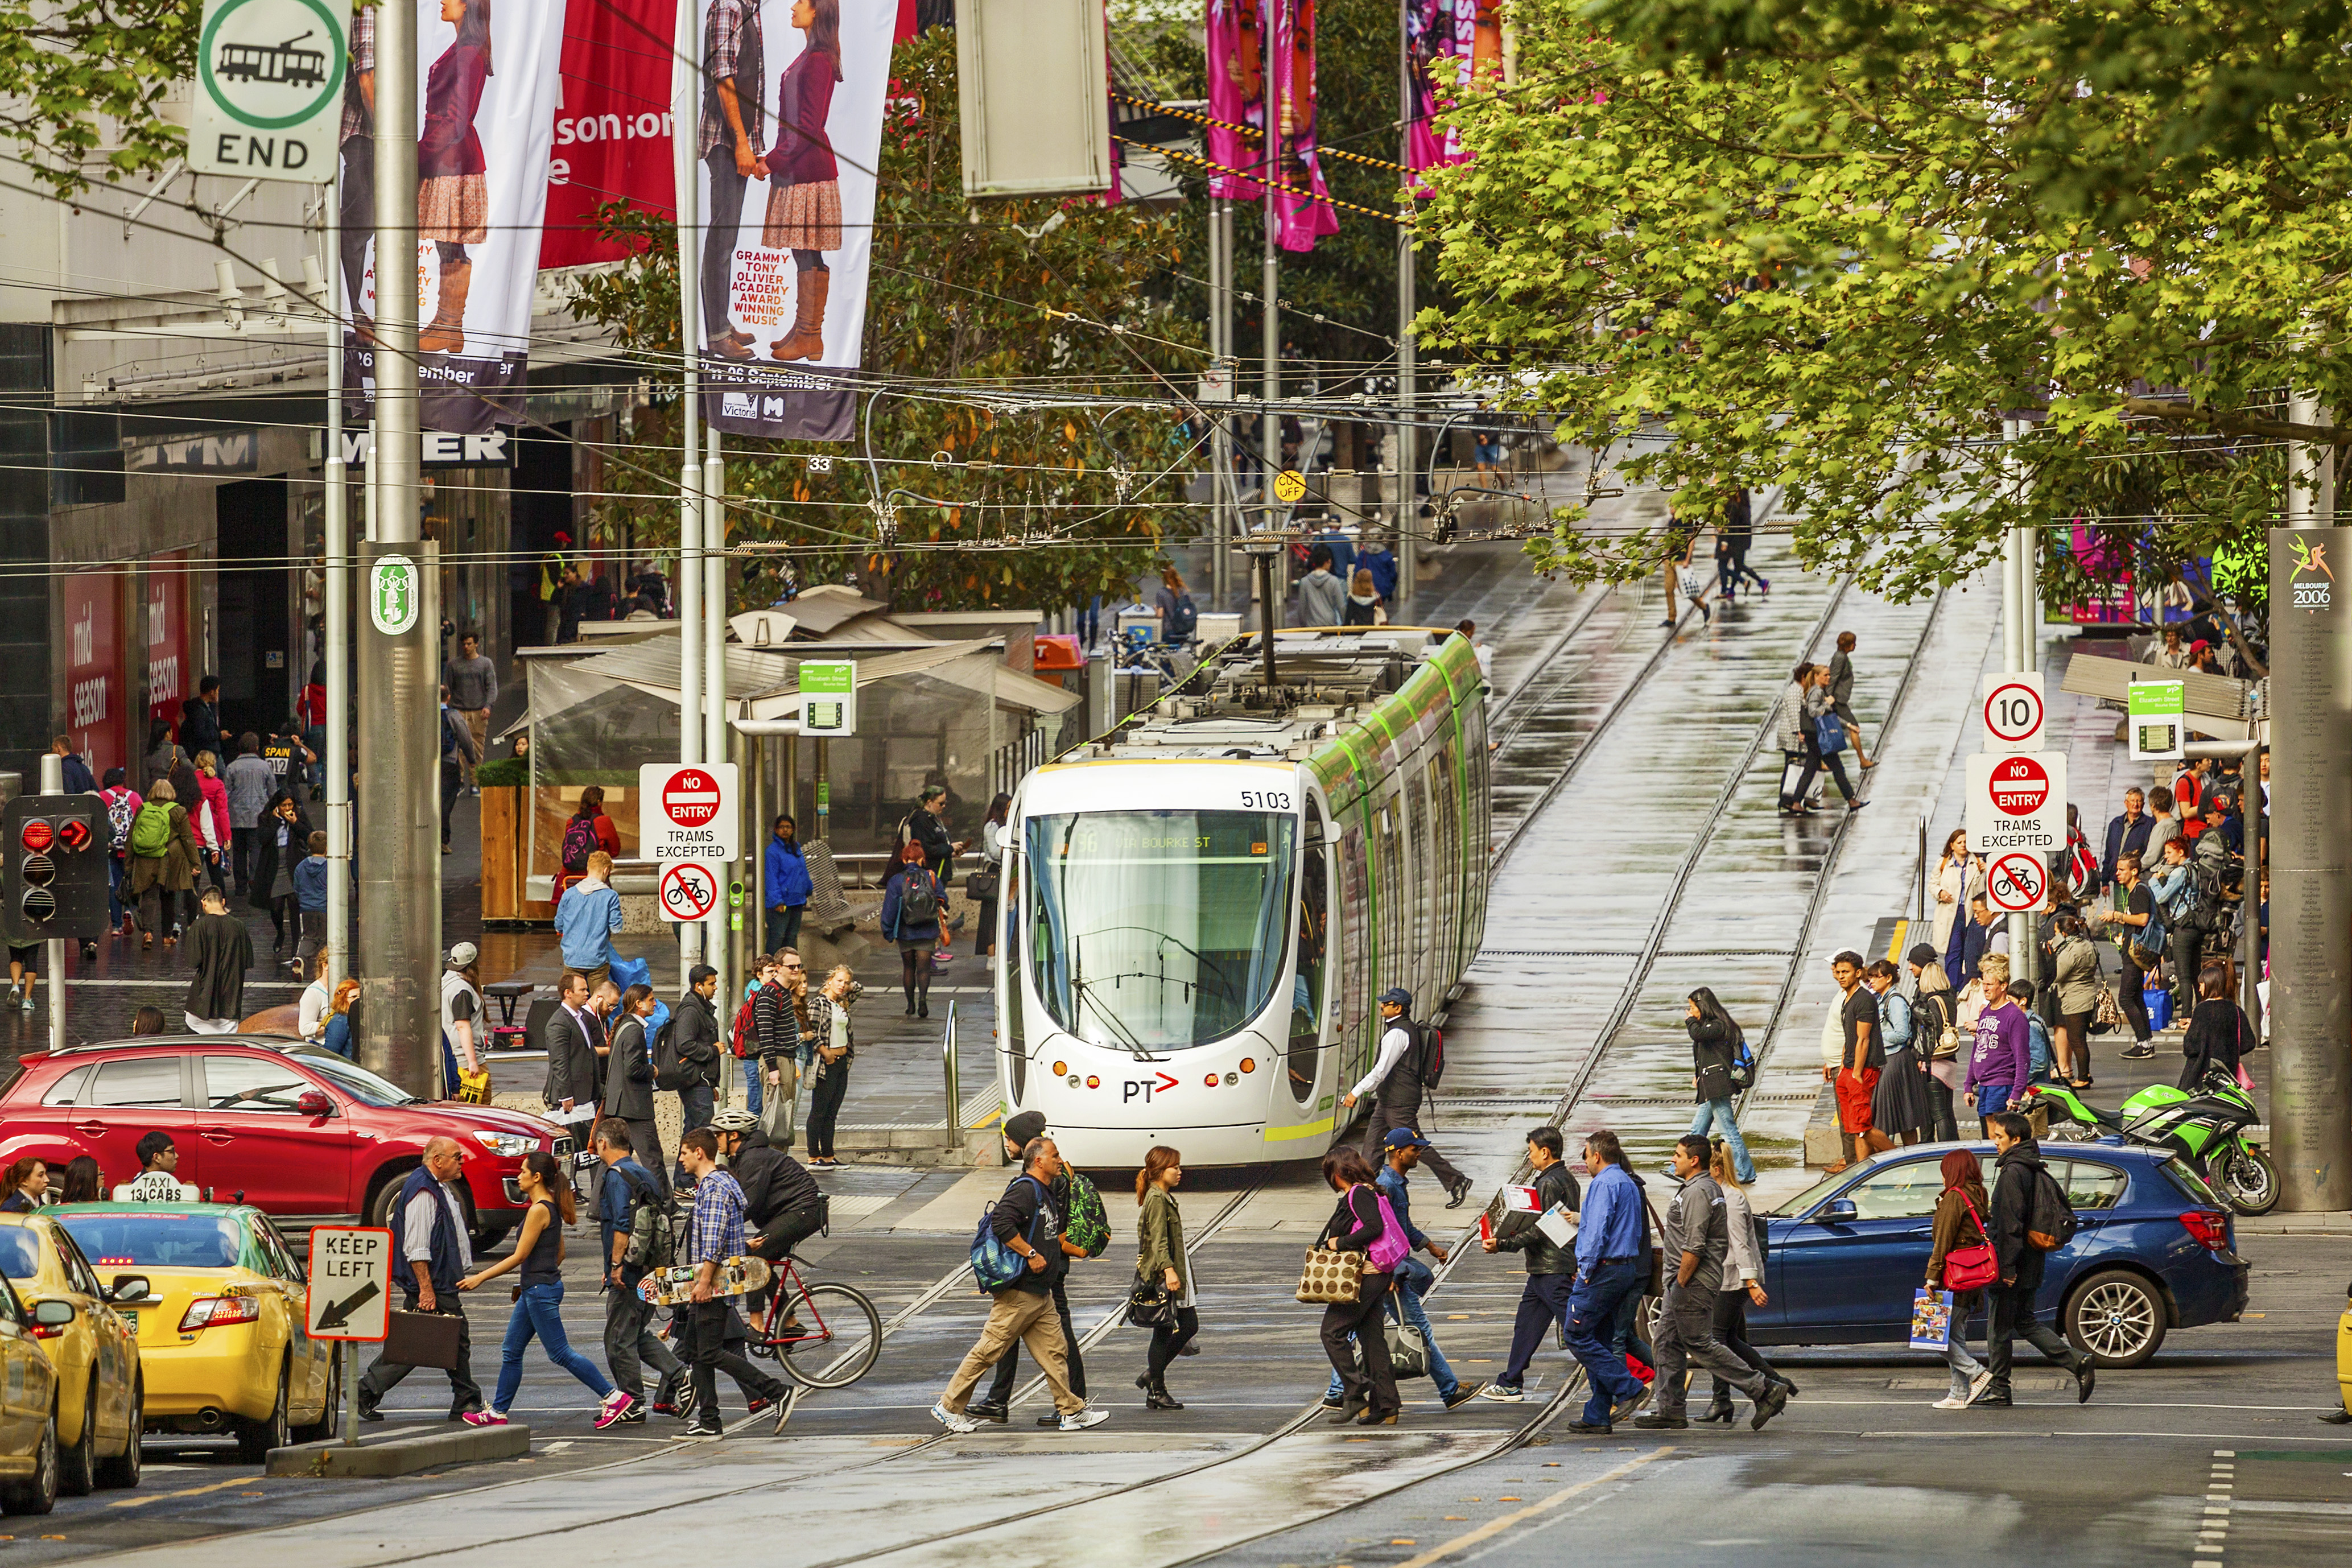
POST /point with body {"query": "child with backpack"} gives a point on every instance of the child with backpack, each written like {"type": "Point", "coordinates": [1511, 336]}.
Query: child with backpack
{"type": "Point", "coordinates": [122, 804]}
{"type": "Point", "coordinates": [588, 831]}
{"type": "Point", "coordinates": [910, 917]}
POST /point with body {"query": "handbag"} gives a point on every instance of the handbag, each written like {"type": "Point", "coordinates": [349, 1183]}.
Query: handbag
{"type": "Point", "coordinates": [980, 887]}
{"type": "Point", "coordinates": [1829, 734]}
{"type": "Point", "coordinates": [1151, 1306]}
{"type": "Point", "coordinates": [1331, 1278]}
{"type": "Point", "coordinates": [1947, 1037]}
{"type": "Point", "coordinates": [1971, 1267]}
{"type": "Point", "coordinates": [1408, 1352]}
{"type": "Point", "coordinates": [474, 1088]}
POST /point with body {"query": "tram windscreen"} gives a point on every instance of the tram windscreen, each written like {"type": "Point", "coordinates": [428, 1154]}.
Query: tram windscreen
{"type": "Point", "coordinates": [1158, 930]}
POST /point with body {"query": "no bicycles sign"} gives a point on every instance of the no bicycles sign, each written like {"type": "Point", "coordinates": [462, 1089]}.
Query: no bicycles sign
{"type": "Point", "coordinates": [2017, 883]}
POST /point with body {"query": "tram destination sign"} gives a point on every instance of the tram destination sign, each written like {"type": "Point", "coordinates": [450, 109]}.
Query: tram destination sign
{"type": "Point", "coordinates": [269, 88]}
{"type": "Point", "coordinates": [2017, 802]}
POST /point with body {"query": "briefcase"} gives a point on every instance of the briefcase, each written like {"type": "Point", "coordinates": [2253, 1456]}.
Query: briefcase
{"type": "Point", "coordinates": [422, 1339]}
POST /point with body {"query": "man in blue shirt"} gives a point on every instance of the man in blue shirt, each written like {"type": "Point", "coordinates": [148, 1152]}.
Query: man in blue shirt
{"type": "Point", "coordinates": [586, 918]}
{"type": "Point", "coordinates": [629, 1339]}
{"type": "Point", "coordinates": [1610, 1238]}
{"type": "Point", "coordinates": [787, 886]}
{"type": "Point", "coordinates": [1413, 1278]}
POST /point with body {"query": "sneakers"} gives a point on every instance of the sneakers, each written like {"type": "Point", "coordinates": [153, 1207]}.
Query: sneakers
{"type": "Point", "coordinates": [987, 1410]}
{"type": "Point", "coordinates": [1951, 1402]}
{"type": "Point", "coordinates": [2140, 1053]}
{"type": "Point", "coordinates": [755, 1407]}
{"type": "Point", "coordinates": [1977, 1384]}
{"type": "Point", "coordinates": [1501, 1393]}
{"type": "Point", "coordinates": [1079, 1420]}
{"type": "Point", "coordinates": [29, 999]}
{"type": "Point", "coordinates": [954, 1423]}
{"type": "Point", "coordinates": [1335, 1403]}
{"type": "Point", "coordinates": [699, 1427]}
{"type": "Point", "coordinates": [617, 1406]}
{"type": "Point", "coordinates": [785, 1408]}
{"type": "Point", "coordinates": [667, 1407]}
{"type": "Point", "coordinates": [1464, 1396]}
{"type": "Point", "coordinates": [489, 1418]}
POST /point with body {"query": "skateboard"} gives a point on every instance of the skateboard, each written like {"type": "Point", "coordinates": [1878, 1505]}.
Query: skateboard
{"type": "Point", "coordinates": [675, 1287]}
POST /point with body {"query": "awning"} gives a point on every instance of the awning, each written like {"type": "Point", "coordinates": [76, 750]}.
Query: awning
{"type": "Point", "coordinates": [2223, 705]}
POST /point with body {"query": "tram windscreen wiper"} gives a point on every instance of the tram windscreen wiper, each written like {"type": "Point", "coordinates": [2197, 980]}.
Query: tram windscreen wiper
{"type": "Point", "coordinates": [1108, 1016]}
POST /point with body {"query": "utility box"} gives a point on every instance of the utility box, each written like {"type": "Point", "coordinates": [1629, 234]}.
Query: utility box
{"type": "Point", "coordinates": [1033, 79]}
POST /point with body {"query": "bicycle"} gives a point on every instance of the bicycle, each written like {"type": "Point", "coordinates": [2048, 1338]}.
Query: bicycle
{"type": "Point", "coordinates": [824, 1317]}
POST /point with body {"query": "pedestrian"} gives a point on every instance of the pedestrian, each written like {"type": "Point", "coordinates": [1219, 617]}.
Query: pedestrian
{"type": "Point", "coordinates": [586, 831]}
{"type": "Point", "coordinates": [432, 1255]}
{"type": "Point", "coordinates": [78, 780]}
{"type": "Point", "coordinates": [2218, 1038]}
{"type": "Point", "coordinates": [1822, 726]}
{"type": "Point", "coordinates": [586, 917]}
{"type": "Point", "coordinates": [1738, 534]}
{"type": "Point", "coordinates": [85, 1182]}
{"type": "Point", "coordinates": [1413, 1279]}
{"type": "Point", "coordinates": [788, 884]}
{"type": "Point", "coordinates": [2037, 1032]}
{"type": "Point", "coordinates": [1697, 1241]}
{"type": "Point", "coordinates": [472, 682]}
{"type": "Point", "coordinates": [1714, 1048]}
{"type": "Point", "coordinates": [835, 1047]}
{"type": "Point", "coordinates": [1322, 594]}
{"type": "Point", "coordinates": [220, 949]}
{"type": "Point", "coordinates": [1743, 1285]}
{"type": "Point", "coordinates": [1379, 560]}
{"type": "Point", "coordinates": [538, 1298]}
{"type": "Point", "coordinates": [1799, 759]}
{"type": "Point", "coordinates": [1361, 1223]}
{"type": "Point", "coordinates": [911, 901]}
{"type": "Point", "coordinates": [1027, 1220]}
{"type": "Point", "coordinates": [2163, 824]}
{"type": "Point", "coordinates": [1960, 1225]}
{"type": "Point", "coordinates": [1956, 878]}
{"type": "Point", "coordinates": [212, 816]}
{"type": "Point", "coordinates": [2075, 971]}
{"type": "Point", "coordinates": [773, 1040]}
{"type": "Point", "coordinates": [27, 1182]}
{"type": "Point", "coordinates": [630, 1343]}
{"type": "Point", "coordinates": [24, 972]}
{"type": "Point", "coordinates": [715, 1237]}
{"type": "Point", "coordinates": [122, 804]}
{"type": "Point", "coordinates": [1160, 1263]}
{"type": "Point", "coordinates": [1483, 652]}
{"type": "Point", "coordinates": [993, 829]}
{"type": "Point", "coordinates": [1984, 931]}
{"type": "Point", "coordinates": [285, 836]}
{"type": "Point", "coordinates": [163, 861]}
{"type": "Point", "coordinates": [995, 1404]}
{"type": "Point", "coordinates": [572, 1037]}
{"type": "Point", "coordinates": [2175, 889]}
{"type": "Point", "coordinates": [2128, 834]}
{"type": "Point", "coordinates": [200, 718]}
{"type": "Point", "coordinates": [1363, 604]}
{"type": "Point", "coordinates": [310, 880]}
{"type": "Point", "coordinates": [1901, 1108]}
{"type": "Point", "coordinates": [458, 757]}
{"type": "Point", "coordinates": [926, 826]}
{"type": "Point", "coordinates": [2009, 1307]}
{"type": "Point", "coordinates": [1398, 1076]}
{"type": "Point", "coordinates": [1547, 1298]}
{"type": "Point", "coordinates": [2130, 920]}
{"type": "Point", "coordinates": [462, 1019]}
{"type": "Point", "coordinates": [1840, 683]}
{"type": "Point", "coordinates": [693, 1033]}
{"type": "Point", "coordinates": [1999, 1060]}
{"type": "Point", "coordinates": [1862, 1058]}
{"type": "Point", "coordinates": [629, 1078]}
{"type": "Point", "coordinates": [1936, 1034]}
{"type": "Point", "coordinates": [782, 1205]}
{"type": "Point", "coordinates": [336, 1033]}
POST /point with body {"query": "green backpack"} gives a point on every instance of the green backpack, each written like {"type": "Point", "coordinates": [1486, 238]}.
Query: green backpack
{"type": "Point", "coordinates": [150, 832]}
{"type": "Point", "coordinates": [1087, 1227]}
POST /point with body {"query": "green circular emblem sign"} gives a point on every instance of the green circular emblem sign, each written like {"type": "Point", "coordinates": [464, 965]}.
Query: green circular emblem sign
{"type": "Point", "coordinates": [394, 594]}
{"type": "Point", "coordinates": [271, 64]}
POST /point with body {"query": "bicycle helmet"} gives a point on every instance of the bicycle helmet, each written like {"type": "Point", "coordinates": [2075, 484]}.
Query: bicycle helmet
{"type": "Point", "coordinates": [732, 1121]}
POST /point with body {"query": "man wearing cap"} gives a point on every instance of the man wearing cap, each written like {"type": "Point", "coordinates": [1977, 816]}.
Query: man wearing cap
{"type": "Point", "coordinates": [996, 1404]}
{"type": "Point", "coordinates": [1396, 1077]}
{"type": "Point", "coordinates": [461, 1015]}
{"type": "Point", "coordinates": [1413, 1279]}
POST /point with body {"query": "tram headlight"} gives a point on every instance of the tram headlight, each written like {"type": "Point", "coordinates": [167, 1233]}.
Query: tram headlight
{"type": "Point", "coordinates": [1093, 1082]}
{"type": "Point", "coordinates": [1212, 1080]}
{"type": "Point", "coordinates": [1233, 1077]}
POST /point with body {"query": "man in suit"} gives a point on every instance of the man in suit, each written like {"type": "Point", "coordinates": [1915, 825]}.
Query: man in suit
{"type": "Point", "coordinates": [571, 1041]}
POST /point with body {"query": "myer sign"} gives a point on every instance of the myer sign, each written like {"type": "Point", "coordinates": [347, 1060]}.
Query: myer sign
{"type": "Point", "coordinates": [269, 88]}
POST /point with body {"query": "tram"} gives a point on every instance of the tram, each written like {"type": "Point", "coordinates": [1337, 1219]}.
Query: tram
{"type": "Point", "coordinates": [1200, 907]}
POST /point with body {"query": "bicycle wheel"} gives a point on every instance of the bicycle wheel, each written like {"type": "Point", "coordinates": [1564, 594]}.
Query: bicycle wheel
{"type": "Point", "coordinates": [843, 1337]}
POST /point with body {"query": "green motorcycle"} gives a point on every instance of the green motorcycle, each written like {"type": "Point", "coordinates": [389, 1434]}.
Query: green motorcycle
{"type": "Point", "coordinates": [2207, 1129]}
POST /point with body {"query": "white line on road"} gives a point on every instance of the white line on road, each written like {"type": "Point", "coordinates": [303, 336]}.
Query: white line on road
{"type": "Point", "coordinates": [1494, 1527]}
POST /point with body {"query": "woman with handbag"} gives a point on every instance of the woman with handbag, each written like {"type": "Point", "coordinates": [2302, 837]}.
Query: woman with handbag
{"type": "Point", "coordinates": [1937, 1038]}
{"type": "Point", "coordinates": [984, 884]}
{"type": "Point", "coordinates": [2218, 1036]}
{"type": "Point", "coordinates": [2075, 971]}
{"type": "Point", "coordinates": [538, 1300]}
{"type": "Point", "coordinates": [1901, 1106]}
{"type": "Point", "coordinates": [1163, 1276]}
{"type": "Point", "coordinates": [1743, 1282]}
{"type": "Point", "coordinates": [1956, 878]}
{"type": "Point", "coordinates": [1364, 1244]}
{"type": "Point", "coordinates": [1962, 1262]}
{"type": "Point", "coordinates": [1825, 734]}
{"type": "Point", "coordinates": [828, 1025]}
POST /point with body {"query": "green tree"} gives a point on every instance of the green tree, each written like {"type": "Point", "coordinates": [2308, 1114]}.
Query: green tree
{"type": "Point", "coordinates": [1839, 272]}
{"type": "Point", "coordinates": [999, 470]}
{"type": "Point", "coordinates": [81, 82]}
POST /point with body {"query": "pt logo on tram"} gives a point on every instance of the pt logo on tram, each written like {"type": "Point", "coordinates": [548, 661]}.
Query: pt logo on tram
{"type": "Point", "coordinates": [1146, 1087]}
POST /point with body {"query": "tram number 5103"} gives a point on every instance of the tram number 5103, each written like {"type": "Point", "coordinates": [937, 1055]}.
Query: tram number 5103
{"type": "Point", "coordinates": [1265, 800]}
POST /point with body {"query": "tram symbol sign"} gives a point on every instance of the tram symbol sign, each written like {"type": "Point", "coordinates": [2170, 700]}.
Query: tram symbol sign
{"type": "Point", "coordinates": [687, 890]}
{"type": "Point", "coordinates": [2017, 802]}
{"type": "Point", "coordinates": [2018, 883]}
{"type": "Point", "coordinates": [688, 813]}
{"type": "Point", "coordinates": [269, 88]}
{"type": "Point", "coordinates": [2012, 712]}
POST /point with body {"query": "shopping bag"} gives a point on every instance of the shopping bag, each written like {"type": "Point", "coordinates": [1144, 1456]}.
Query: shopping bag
{"type": "Point", "coordinates": [1931, 1319]}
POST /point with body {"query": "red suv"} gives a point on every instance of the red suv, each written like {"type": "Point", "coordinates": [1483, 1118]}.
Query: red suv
{"type": "Point", "coordinates": [303, 1135]}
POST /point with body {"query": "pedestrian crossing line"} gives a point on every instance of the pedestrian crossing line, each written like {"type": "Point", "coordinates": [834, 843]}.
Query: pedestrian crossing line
{"type": "Point", "coordinates": [1494, 1527]}
{"type": "Point", "coordinates": [2213, 1531]}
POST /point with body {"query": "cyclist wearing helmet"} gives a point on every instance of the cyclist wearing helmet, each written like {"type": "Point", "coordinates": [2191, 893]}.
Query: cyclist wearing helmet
{"type": "Point", "coordinates": [781, 1201]}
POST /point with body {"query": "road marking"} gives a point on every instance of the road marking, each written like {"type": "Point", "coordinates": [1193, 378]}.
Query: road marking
{"type": "Point", "coordinates": [1494, 1527]}
{"type": "Point", "coordinates": [192, 1491]}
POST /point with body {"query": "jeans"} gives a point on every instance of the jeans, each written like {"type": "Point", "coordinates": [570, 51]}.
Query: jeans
{"type": "Point", "coordinates": [114, 890]}
{"type": "Point", "coordinates": [1718, 1113]}
{"type": "Point", "coordinates": [1413, 1282]}
{"type": "Point", "coordinates": [453, 784]}
{"type": "Point", "coordinates": [2010, 1315]}
{"type": "Point", "coordinates": [630, 1341]}
{"type": "Point", "coordinates": [754, 1096]}
{"type": "Point", "coordinates": [695, 1105]}
{"type": "Point", "coordinates": [824, 1109]}
{"type": "Point", "coordinates": [2185, 943]}
{"type": "Point", "coordinates": [1956, 1349]}
{"type": "Point", "coordinates": [540, 1310]}
{"type": "Point", "coordinates": [1601, 1292]}
{"type": "Point", "coordinates": [1542, 1302]}
{"type": "Point", "coordinates": [1008, 1367]}
{"type": "Point", "coordinates": [2134, 1006]}
{"type": "Point", "coordinates": [783, 929]}
{"type": "Point", "coordinates": [1686, 1339]}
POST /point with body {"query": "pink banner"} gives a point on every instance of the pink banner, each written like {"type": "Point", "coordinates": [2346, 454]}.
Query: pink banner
{"type": "Point", "coordinates": [1452, 41]}
{"type": "Point", "coordinates": [1302, 208]}
{"type": "Point", "coordinates": [1237, 96]}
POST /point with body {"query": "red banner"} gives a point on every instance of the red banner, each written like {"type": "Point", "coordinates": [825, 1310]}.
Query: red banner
{"type": "Point", "coordinates": [612, 123]}
{"type": "Point", "coordinates": [94, 693]}
{"type": "Point", "coordinates": [167, 637]}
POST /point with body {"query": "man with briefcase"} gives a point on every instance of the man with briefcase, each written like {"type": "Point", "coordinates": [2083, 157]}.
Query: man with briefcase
{"type": "Point", "coordinates": [431, 1254]}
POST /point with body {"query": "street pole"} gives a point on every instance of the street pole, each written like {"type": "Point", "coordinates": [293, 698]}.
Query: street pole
{"type": "Point", "coordinates": [1221, 488]}
{"type": "Point", "coordinates": [338, 615]}
{"type": "Point", "coordinates": [1407, 459]}
{"type": "Point", "coordinates": [53, 953]}
{"type": "Point", "coordinates": [2014, 546]}
{"type": "Point", "coordinates": [1270, 352]}
{"type": "Point", "coordinates": [400, 886]}
{"type": "Point", "coordinates": [686, 80]}
{"type": "Point", "coordinates": [716, 948]}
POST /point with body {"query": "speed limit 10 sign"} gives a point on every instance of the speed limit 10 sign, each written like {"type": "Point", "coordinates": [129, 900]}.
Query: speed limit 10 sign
{"type": "Point", "coordinates": [2012, 713]}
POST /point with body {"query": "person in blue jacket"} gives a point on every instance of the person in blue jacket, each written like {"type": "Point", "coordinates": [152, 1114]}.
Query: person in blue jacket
{"type": "Point", "coordinates": [788, 886]}
{"type": "Point", "coordinates": [912, 900]}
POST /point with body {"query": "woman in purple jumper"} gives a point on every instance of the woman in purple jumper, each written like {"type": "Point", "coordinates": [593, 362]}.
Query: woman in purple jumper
{"type": "Point", "coordinates": [452, 195]}
{"type": "Point", "coordinates": [804, 189]}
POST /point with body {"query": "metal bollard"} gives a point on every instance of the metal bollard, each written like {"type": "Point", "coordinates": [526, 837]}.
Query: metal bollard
{"type": "Point", "coordinates": [954, 1082]}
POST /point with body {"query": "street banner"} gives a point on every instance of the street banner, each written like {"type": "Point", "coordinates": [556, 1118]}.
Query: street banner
{"type": "Point", "coordinates": [1301, 206]}
{"type": "Point", "coordinates": [612, 136]}
{"type": "Point", "coordinates": [1452, 41]}
{"type": "Point", "coordinates": [1236, 97]}
{"type": "Point", "coordinates": [790, 133]}
{"type": "Point", "coordinates": [486, 85]}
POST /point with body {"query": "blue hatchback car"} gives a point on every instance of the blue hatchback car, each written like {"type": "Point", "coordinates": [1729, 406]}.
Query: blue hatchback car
{"type": "Point", "coordinates": [2153, 1251]}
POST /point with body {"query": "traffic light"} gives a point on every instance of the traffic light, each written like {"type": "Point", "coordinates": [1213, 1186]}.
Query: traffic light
{"type": "Point", "coordinates": [53, 868]}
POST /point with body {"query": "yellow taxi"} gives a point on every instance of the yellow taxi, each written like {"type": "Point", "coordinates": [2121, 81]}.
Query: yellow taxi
{"type": "Point", "coordinates": [94, 1351]}
{"type": "Point", "coordinates": [221, 1333]}
{"type": "Point", "coordinates": [2344, 1354]}
{"type": "Point", "coordinates": [28, 1404]}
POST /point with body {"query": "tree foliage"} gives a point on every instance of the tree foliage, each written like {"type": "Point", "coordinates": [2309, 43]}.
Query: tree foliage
{"type": "Point", "coordinates": [1001, 490]}
{"type": "Point", "coordinates": [81, 82]}
{"type": "Point", "coordinates": [1836, 261]}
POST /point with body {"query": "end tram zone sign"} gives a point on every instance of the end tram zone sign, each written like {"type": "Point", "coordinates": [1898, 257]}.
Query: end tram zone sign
{"type": "Point", "coordinates": [2017, 803]}
{"type": "Point", "coordinates": [269, 88]}
{"type": "Point", "coordinates": [687, 811]}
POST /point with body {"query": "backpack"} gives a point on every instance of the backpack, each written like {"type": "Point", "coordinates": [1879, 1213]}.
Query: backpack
{"type": "Point", "coordinates": [1183, 619]}
{"type": "Point", "coordinates": [670, 1069]}
{"type": "Point", "coordinates": [579, 842]}
{"type": "Point", "coordinates": [653, 1233]}
{"type": "Point", "coordinates": [918, 901]}
{"type": "Point", "coordinates": [2207, 874]}
{"type": "Point", "coordinates": [1086, 1225]}
{"type": "Point", "coordinates": [743, 1026]}
{"type": "Point", "coordinates": [2049, 1218]}
{"type": "Point", "coordinates": [994, 1264]}
{"type": "Point", "coordinates": [1743, 1065]}
{"type": "Point", "coordinates": [119, 813]}
{"type": "Point", "coordinates": [150, 832]}
{"type": "Point", "coordinates": [1429, 1053]}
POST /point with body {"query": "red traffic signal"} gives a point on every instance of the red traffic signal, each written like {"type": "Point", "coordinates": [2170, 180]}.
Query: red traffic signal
{"type": "Point", "coordinates": [35, 835]}
{"type": "Point", "coordinates": [73, 834]}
